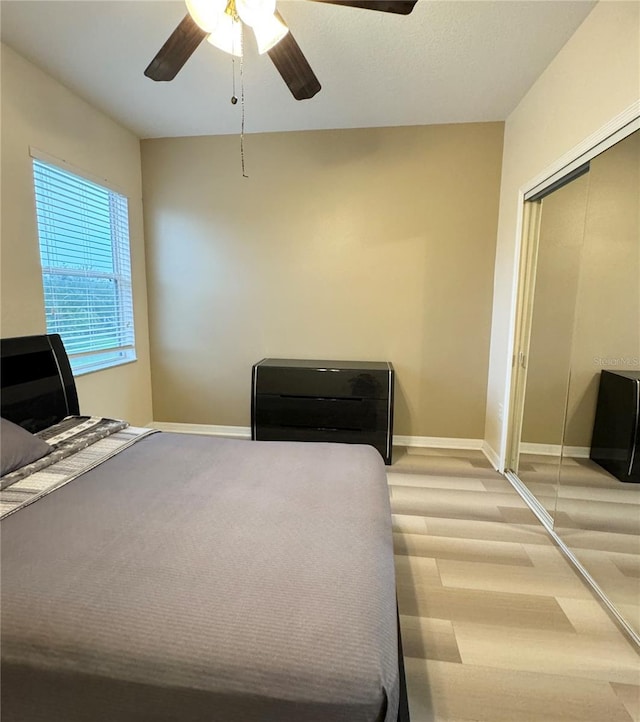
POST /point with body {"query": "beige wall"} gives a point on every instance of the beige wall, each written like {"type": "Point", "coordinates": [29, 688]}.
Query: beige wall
{"type": "Point", "coordinates": [595, 77]}
{"type": "Point", "coordinates": [38, 111]}
{"type": "Point", "coordinates": [352, 244]}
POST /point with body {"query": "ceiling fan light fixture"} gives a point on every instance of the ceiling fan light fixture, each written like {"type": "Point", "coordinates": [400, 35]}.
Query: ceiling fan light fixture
{"type": "Point", "coordinates": [206, 13]}
{"type": "Point", "coordinates": [269, 33]}
{"type": "Point", "coordinates": [260, 16]}
{"type": "Point", "coordinates": [255, 12]}
{"type": "Point", "coordinates": [227, 35]}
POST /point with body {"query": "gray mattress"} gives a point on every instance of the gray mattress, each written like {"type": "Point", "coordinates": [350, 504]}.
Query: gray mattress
{"type": "Point", "coordinates": [199, 579]}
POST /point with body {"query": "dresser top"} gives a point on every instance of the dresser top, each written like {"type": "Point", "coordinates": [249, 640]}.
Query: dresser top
{"type": "Point", "coordinates": [326, 365]}
{"type": "Point", "coordinates": [633, 375]}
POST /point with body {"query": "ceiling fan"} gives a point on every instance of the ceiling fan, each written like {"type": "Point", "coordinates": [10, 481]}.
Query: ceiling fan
{"type": "Point", "coordinates": [221, 21]}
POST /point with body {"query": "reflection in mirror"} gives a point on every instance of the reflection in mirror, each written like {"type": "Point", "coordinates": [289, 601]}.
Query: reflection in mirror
{"type": "Point", "coordinates": [584, 319]}
{"type": "Point", "coordinates": [597, 514]}
{"type": "Point", "coordinates": [549, 360]}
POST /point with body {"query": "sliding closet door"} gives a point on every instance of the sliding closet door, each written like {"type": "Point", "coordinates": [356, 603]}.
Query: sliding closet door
{"type": "Point", "coordinates": [548, 363]}
{"type": "Point", "coordinates": [597, 515]}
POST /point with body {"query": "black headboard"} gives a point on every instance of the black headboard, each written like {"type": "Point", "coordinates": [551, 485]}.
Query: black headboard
{"type": "Point", "coordinates": [38, 388]}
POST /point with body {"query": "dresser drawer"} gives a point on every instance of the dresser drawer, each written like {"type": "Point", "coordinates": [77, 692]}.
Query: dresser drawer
{"type": "Point", "coordinates": [323, 382]}
{"type": "Point", "coordinates": [320, 412]}
{"type": "Point", "coordinates": [377, 439]}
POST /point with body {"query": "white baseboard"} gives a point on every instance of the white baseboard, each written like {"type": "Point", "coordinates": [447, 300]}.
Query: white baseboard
{"type": "Point", "coordinates": [437, 442]}
{"type": "Point", "coordinates": [577, 452]}
{"type": "Point", "coordinates": [244, 432]}
{"type": "Point", "coordinates": [491, 455]}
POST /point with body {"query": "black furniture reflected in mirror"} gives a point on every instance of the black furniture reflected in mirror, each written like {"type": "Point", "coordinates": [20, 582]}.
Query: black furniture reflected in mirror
{"type": "Point", "coordinates": [616, 432]}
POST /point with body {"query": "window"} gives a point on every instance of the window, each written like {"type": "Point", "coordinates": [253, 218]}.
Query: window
{"type": "Point", "coordinates": [83, 230]}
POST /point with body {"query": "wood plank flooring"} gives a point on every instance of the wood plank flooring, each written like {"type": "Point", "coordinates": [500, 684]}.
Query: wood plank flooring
{"type": "Point", "coordinates": [497, 626]}
{"type": "Point", "coordinates": [599, 517]}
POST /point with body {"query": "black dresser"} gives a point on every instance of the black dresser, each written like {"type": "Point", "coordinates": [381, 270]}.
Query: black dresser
{"type": "Point", "coordinates": [344, 401]}
{"type": "Point", "coordinates": [615, 444]}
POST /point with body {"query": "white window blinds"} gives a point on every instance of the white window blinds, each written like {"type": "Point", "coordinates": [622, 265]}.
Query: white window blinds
{"type": "Point", "coordinates": [83, 230]}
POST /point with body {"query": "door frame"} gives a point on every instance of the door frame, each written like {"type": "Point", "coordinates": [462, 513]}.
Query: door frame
{"type": "Point", "coordinates": [532, 212]}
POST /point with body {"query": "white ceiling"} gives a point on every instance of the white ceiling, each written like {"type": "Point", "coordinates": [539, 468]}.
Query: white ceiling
{"type": "Point", "coordinates": [447, 62]}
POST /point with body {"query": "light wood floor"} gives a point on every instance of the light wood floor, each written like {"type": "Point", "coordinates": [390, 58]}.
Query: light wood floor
{"type": "Point", "coordinates": [496, 624]}
{"type": "Point", "coordinates": [599, 517]}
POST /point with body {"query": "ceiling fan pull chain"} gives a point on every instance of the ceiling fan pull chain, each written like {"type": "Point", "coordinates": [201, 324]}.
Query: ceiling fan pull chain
{"type": "Point", "coordinates": [244, 175]}
{"type": "Point", "coordinates": [234, 99]}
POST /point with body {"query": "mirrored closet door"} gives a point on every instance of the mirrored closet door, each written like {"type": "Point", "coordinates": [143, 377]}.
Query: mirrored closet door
{"type": "Point", "coordinates": [548, 362]}
{"type": "Point", "coordinates": [584, 319]}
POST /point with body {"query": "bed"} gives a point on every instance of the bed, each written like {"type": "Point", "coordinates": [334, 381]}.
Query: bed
{"type": "Point", "coordinates": [185, 577]}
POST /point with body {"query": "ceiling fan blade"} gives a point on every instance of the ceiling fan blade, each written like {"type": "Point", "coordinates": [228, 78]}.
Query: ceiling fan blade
{"type": "Point", "coordinates": [176, 51]}
{"type": "Point", "coordinates": [401, 7]}
{"type": "Point", "coordinates": [293, 67]}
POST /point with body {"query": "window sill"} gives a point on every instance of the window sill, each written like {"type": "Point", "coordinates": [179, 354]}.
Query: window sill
{"type": "Point", "coordinates": [105, 367]}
